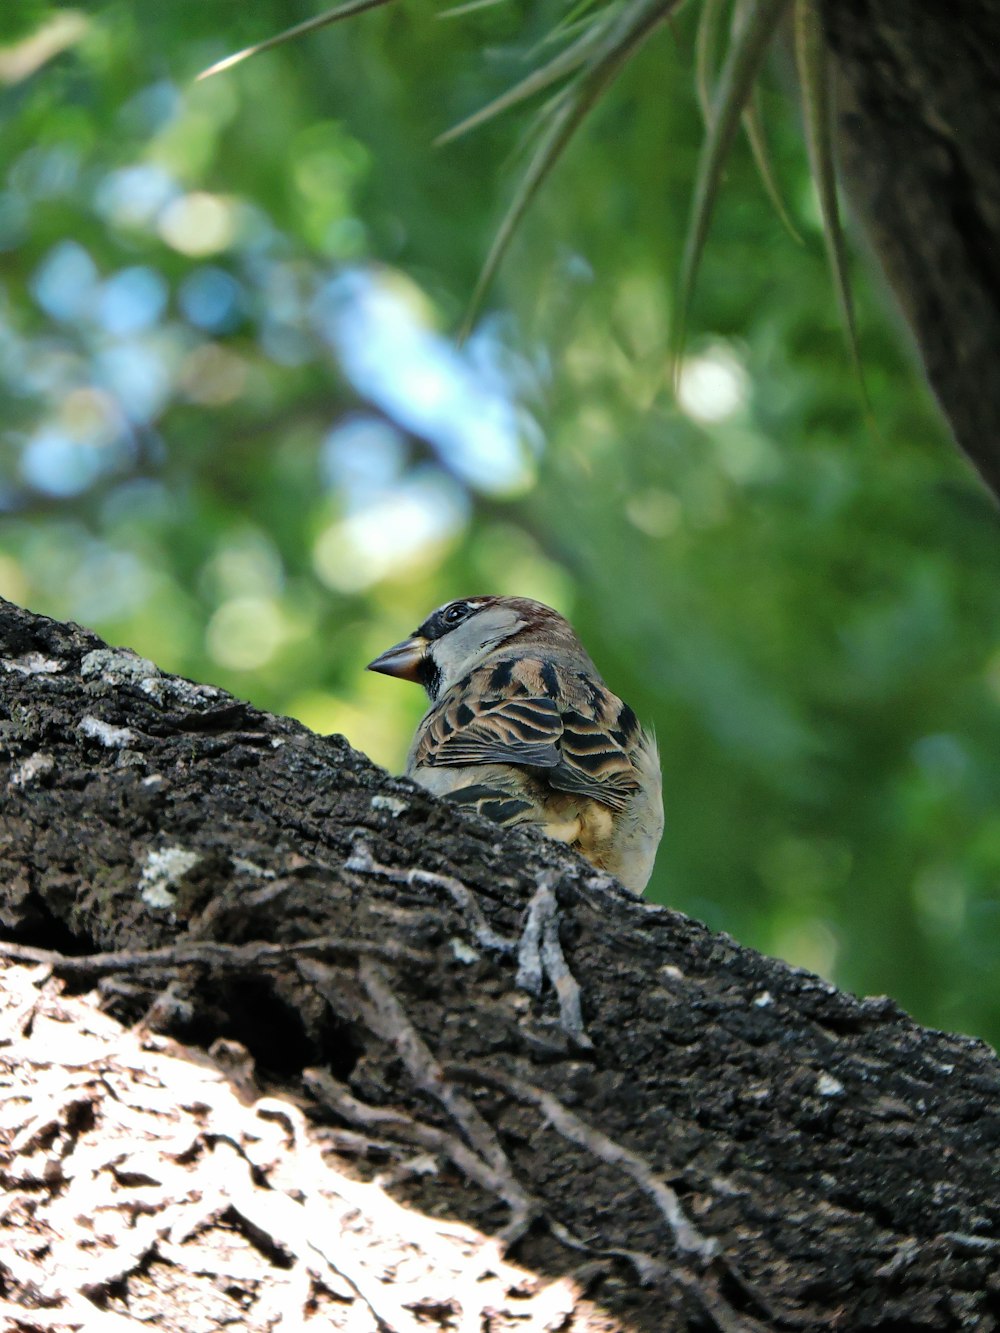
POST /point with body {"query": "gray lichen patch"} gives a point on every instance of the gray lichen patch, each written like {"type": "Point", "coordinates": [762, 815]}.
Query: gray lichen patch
{"type": "Point", "coordinates": [162, 874]}
{"type": "Point", "coordinates": [113, 737]}
{"type": "Point", "coordinates": [828, 1086]}
{"type": "Point", "coordinates": [392, 804]}
{"type": "Point", "coordinates": [32, 664]}
{"type": "Point", "coordinates": [463, 952]}
{"type": "Point", "coordinates": [247, 867]}
{"type": "Point", "coordinates": [178, 690]}
{"type": "Point", "coordinates": [32, 769]}
{"type": "Point", "coordinates": [118, 664]}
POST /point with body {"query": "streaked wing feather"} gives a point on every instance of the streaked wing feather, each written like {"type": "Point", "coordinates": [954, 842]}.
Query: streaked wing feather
{"type": "Point", "coordinates": [475, 749]}
{"type": "Point", "coordinates": [594, 763]}
{"type": "Point", "coordinates": [567, 723]}
{"type": "Point", "coordinates": [492, 802]}
{"type": "Point", "coordinates": [494, 731]}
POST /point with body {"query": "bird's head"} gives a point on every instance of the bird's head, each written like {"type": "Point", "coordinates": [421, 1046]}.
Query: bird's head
{"type": "Point", "coordinates": [459, 636]}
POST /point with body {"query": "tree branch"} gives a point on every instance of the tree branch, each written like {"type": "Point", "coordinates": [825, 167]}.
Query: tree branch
{"type": "Point", "coordinates": [720, 1139]}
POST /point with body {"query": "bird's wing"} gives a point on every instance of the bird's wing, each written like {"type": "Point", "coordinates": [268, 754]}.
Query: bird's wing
{"type": "Point", "coordinates": [468, 728]}
{"type": "Point", "coordinates": [528, 712]}
{"type": "Point", "coordinates": [594, 762]}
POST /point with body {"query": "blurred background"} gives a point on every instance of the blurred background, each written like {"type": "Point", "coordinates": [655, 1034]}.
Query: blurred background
{"type": "Point", "coordinates": [238, 436]}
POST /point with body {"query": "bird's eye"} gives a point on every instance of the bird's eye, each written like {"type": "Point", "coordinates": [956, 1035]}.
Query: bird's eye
{"type": "Point", "coordinates": [456, 612]}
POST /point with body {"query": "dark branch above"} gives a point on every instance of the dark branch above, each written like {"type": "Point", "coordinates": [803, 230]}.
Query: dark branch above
{"type": "Point", "coordinates": [919, 101]}
{"type": "Point", "coordinates": [716, 1139]}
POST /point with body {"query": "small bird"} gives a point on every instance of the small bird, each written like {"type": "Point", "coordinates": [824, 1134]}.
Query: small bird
{"type": "Point", "coordinates": [522, 728]}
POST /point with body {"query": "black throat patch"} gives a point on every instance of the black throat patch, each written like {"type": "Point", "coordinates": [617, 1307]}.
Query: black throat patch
{"type": "Point", "coordinates": [429, 675]}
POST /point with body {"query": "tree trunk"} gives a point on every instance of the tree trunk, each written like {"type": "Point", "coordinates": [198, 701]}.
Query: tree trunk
{"type": "Point", "coordinates": [668, 1131]}
{"type": "Point", "coordinates": [919, 102]}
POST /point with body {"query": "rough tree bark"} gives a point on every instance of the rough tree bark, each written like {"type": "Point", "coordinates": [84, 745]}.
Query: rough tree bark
{"type": "Point", "coordinates": [919, 105]}
{"type": "Point", "coordinates": [692, 1136]}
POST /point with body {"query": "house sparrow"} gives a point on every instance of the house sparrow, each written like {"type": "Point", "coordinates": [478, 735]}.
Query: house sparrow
{"type": "Point", "coordinates": [522, 728]}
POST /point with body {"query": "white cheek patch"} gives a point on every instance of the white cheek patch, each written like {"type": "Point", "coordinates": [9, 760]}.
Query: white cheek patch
{"type": "Point", "coordinates": [464, 647]}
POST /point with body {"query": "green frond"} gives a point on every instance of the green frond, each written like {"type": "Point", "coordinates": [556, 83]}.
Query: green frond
{"type": "Point", "coordinates": [743, 60]}
{"type": "Point", "coordinates": [753, 126]}
{"type": "Point", "coordinates": [569, 113]}
{"type": "Point", "coordinates": [814, 79]}
{"type": "Point", "coordinates": [344, 11]}
{"type": "Point", "coordinates": [706, 43]}
{"type": "Point", "coordinates": [579, 11]}
{"type": "Point", "coordinates": [458, 11]}
{"type": "Point", "coordinates": [559, 67]}
{"type": "Point", "coordinates": [567, 28]}
{"type": "Point", "coordinates": [638, 21]}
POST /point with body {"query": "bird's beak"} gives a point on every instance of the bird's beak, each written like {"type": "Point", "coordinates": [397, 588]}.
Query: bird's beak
{"type": "Point", "coordinates": [402, 659]}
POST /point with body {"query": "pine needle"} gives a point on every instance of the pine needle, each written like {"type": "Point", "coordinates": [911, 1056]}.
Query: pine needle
{"type": "Point", "coordinates": [560, 66]}
{"type": "Point", "coordinates": [706, 42]}
{"type": "Point", "coordinates": [743, 60]}
{"type": "Point", "coordinates": [705, 45]}
{"type": "Point", "coordinates": [811, 58]}
{"type": "Point", "coordinates": [457, 11]}
{"type": "Point", "coordinates": [344, 11]}
{"type": "Point", "coordinates": [637, 23]}
{"type": "Point", "coordinates": [753, 126]}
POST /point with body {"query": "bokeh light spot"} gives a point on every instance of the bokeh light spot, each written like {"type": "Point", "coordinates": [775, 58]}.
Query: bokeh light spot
{"type": "Point", "coordinates": [139, 376]}
{"type": "Point", "coordinates": [361, 457]}
{"type": "Point", "coordinates": [655, 512]}
{"type": "Point", "coordinates": [812, 944]}
{"type": "Point", "coordinates": [134, 196]}
{"type": "Point", "coordinates": [13, 583]}
{"type": "Point", "coordinates": [59, 465]}
{"type": "Point", "coordinates": [943, 759]}
{"type": "Point", "coordinates": [399, 531]}
{"type": "Point", "coordinates": [940, 896]}
{"type": "Point", "coordinates": [245, 632]}
{"type": "Point", "coordinates": [131, 300]}
{"type": "Point", "coordinates": [379, 326]}
{"type": "Point", "coordinates": [65, 284]}
{"type": "Point", "coordinates": [198, 224]}
{"type": "Point", "coordinates": [212, 375]}
{"type": "Point", "coordinates": [211, 299]}
{"type": "Point", "coordinates": [90, 415]}
{"type": "Point", "coordinates": [246, 564]}
{"type": "Point", "coordinates": [713, 385]}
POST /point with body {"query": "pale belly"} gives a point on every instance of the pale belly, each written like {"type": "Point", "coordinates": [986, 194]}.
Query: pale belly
{"type": "Point", "coordinates": [622, 843]}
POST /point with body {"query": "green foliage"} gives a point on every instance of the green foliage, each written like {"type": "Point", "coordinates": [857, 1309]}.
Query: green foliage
{"type": "Point", "coordinates": [238, 437]}
{"type": "Point", "coordinates": [817, 105]}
